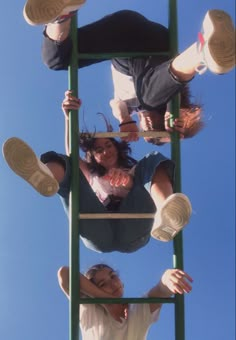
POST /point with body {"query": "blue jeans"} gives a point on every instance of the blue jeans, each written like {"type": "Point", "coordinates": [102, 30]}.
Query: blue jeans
{"type": "Point", "coordinates": [123, 235]}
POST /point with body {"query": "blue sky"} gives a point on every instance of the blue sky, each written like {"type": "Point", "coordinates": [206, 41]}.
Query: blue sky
{"type": "Point", "coordinates": [34, 229]}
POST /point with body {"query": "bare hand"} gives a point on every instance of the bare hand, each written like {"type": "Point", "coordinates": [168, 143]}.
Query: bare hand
{"type": "Point", "coordinates": [119, 178]}
{"type": "Point", "coordinates": [120, 110]}
{"type": "Point", "coordinates": [184, 122]}
{"type": "Point", "coordinates": [70, 103]}
{"type": "Point", "coordinates": [177, 281]}
{"type": "Point", "coordinates": [132, 129]}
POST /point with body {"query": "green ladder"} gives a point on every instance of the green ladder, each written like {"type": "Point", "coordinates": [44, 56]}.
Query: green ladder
{"type": "Point", "coordinates": [177, 300]}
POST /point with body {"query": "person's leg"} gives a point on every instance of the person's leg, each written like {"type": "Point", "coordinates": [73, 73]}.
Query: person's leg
{"type": "Point", "coordinates": [23, 161]}
{"type": "Point", "coordinates": [157, 82]}
{"type": "Point", "coordinates": [96, 234]}
{"type": "Point", "coordinates": [39, 12]}
{"type": "Point", "coordinates": [107, 35]}
{"type": "Point", "coordinates": [56, 15]}
{"type": "Point", "coordinates": [215, 50]}
{"type": "Point", "coordinates": [173, 210]}
{"type": "Point", "coordinates": [161, 186]}
{"type": "Point", "coordinates": [133, 234]}
{"type": "Point", "coordinates": [156, 173]}
{"type": "Point", "coordinates": [146, 196]}
{"type": "Point", "coordinates": [52, 175]}
{"type": "Point", "coordinates": [123, 31]}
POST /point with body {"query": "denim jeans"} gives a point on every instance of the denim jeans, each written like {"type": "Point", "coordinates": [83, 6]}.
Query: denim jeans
{"type": "Point", "coordinates": [123, 235]}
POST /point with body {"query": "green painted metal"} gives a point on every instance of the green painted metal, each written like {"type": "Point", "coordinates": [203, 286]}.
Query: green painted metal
{"type": "Point", "coordinates": [119, 55]}
{"type": "Point", "coordinates": [128, 300]}
{"type": "Point", "coordinates": [176, 157]}
{"type": "Point", "coordinates": [177, 300]}
{"type": "Point", "coordinates": [74, 194]}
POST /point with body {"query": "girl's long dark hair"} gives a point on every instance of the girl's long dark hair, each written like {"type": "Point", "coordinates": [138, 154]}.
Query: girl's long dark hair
{"type": "Point", "coordinates": [86, 144]}
{"type": "Point", "coordinates": [186, 102]}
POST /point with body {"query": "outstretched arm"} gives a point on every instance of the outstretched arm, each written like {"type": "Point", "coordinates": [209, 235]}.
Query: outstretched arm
{"type": "Point", "coordinates": [72, 103]}
{"type": "Point", "coordinates": [121, 113]}
{"type": "Point", "coordinates": [69, 103]}
{"type": "Point", "coordinates": [173, 281]}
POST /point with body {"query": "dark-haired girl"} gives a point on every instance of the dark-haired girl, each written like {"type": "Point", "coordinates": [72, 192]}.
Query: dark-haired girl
{"type": "Point", "coordinates": [110, 181]}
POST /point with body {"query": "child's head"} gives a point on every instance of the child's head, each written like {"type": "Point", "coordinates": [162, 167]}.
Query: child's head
{"type": "Point", "coordinates": [104, 277]}
{"type": "Point", "coordinates": [104, 153]}
{"type": "Point", "coordinates": [151, 121]}
{"type": "Point", "coordinates": [190, 113]}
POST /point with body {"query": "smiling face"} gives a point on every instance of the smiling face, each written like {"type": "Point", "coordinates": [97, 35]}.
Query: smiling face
{"type": "Point", "coordinates": [105, 153]}
{"type": "Point", "coordinates": [107, 280]}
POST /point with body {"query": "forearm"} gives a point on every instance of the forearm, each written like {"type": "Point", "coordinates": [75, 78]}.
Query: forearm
{"type": "Point", "coordinates": [67, 135]}
{"type": "Point", "coordinates": [173, 281]}
{"type": "Point", "coordinates": [86, 287]}
{"type": "Point", "coordinates": [160, 290]}
{"type": "Point", "coordinates": [120, 110]}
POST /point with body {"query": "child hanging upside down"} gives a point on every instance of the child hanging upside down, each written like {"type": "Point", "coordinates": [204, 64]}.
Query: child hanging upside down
{"type": "Point", "coordinates": [110, 180]}
{"type": "Point", "coordinates": [144, 85]}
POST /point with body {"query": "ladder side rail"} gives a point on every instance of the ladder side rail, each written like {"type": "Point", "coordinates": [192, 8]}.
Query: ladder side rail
{"type": "Point", "coordinates": [74, 194]}
{"type": "Point", "coordinates": [74, 208]}
{"type": "Point", "coordinates": [176, 157]}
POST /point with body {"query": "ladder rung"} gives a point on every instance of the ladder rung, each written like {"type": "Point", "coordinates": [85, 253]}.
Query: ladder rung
{"type": "Point", "coordinates": [157, 134]}
{"type": "Point", "coordinates": [112, 216]}
{"type": "Point", "coordinates": [91, 301]}
{"type": "Point", "coordinates": [121, 55]}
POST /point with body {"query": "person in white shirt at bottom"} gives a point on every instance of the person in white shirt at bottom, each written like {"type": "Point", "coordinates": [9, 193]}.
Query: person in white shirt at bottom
{"type": "Point", "coordinates": [120, 321]}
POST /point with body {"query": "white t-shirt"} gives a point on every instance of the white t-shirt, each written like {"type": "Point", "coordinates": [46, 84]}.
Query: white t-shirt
{"type": "Point", "coordinates": [124, 88]}
{"type": "Point", "coordinates": [97, 324]}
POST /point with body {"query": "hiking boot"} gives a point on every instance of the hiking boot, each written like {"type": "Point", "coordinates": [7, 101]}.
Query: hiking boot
{"type": "Point", "coordinates": [172, 217]}
{"type": "Point", "coordinates": [23, 161]}
{"type": "Point", "coordinates": [39, 12]}
{"type": "Point", "coordinates": [217, 43]}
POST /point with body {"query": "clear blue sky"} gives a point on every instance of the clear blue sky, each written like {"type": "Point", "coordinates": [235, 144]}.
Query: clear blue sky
{"type": "Point", "coordinates": [34, 229]}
